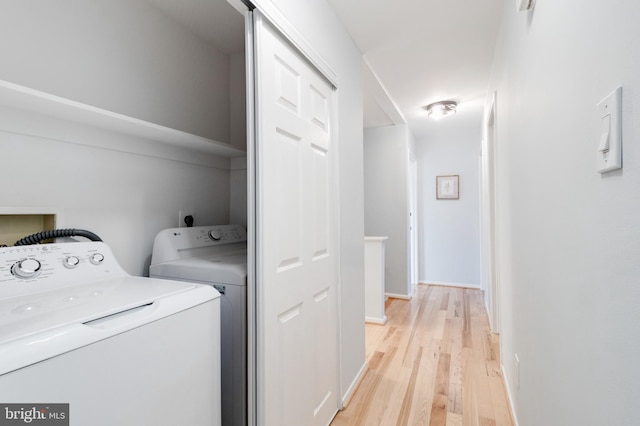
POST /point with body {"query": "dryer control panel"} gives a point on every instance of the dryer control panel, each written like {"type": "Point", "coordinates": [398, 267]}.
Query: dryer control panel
{"type": "Point", "coordinates": [177, 243]}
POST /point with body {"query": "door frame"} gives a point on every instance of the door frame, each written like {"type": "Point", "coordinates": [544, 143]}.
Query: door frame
{"type": "Point", "coordinates": [252, 414]}
{"type": "Point", "coordinates": [489, 214]}
{"type": "Point", "coordinates": [413, 224]}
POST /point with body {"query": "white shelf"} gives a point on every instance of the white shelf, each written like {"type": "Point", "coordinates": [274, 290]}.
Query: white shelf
{"type": "Point", "coordinates": [24, 98]}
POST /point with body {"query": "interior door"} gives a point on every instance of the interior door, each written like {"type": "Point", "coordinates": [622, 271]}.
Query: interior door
{"type": "Point", "coordinates": [296, 260]}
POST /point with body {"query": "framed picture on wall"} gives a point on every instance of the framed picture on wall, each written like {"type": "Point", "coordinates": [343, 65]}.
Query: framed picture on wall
{"type": "Point", "coordinates": [448, 187]}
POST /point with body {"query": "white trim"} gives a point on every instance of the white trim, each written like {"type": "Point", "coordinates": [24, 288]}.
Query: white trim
{"type": "Point", "coordinates": [252, 238]}
{"type": "Point", "coordinates": [375, 320]}
{"type": "Point", "coordinates": [413, 231]}
{"type": "Point", "coordinates": [375, 239]}
{"type": "Point", "coordinates": [463, 285]}
{"type": "Point", "coordinates": [489, 199]}
{"type": "Point", "coordinates": [275, 17]}
{"type": "Point", "coordinates": [337, 212]}
{"type": "Point", "coordinates": [399, 296]}
{"type": "Point", "coordinates": [509, 396]}
{"type": "Point", "coordinates": [380, 93]}
{"type": "Point", "coordinates": [346, 399]}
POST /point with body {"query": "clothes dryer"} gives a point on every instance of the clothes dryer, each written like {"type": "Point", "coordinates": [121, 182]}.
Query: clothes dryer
{"type": "Point", "coordinates": [217, 256]}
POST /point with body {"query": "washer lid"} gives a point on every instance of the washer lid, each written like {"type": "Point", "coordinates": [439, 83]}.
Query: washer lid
{"type": "Point", "coordinates": [229, 269]}
{"type": "Point", "coordinates": [39, 326]}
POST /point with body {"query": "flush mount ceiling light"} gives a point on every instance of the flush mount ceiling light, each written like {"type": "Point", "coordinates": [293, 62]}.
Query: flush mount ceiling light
{"type": "Point", "coordinates": [437, 110]}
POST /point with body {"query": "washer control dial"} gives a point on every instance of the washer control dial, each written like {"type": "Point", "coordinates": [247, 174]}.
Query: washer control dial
{"type": "Point", "coordinates": [96, 258]}
{"type": "Point", "coordinates": [26, 268]}
{"type": "Point", "coordinates": [214, 234]}
{"type": "Point", "coordinates": [71, 262]}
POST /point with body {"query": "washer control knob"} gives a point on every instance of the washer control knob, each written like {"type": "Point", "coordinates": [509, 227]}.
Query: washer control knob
{"type": "Point", "coordinates": [71, 262]}
{"type": "Point", "coordinates": [214, 235]}
{"type": "Point", "coordinates": [26, 268]}
{"type": "Point", "coordinates": [96, 258]}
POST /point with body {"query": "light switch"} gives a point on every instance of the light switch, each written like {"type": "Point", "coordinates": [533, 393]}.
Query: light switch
{"type": "Point", "coordinates": [609, 155]}
{"type": "Point", "coordinates": [604, 136]}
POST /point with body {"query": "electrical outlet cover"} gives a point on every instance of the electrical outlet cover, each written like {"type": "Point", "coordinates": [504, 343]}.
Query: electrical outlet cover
{"type": "Point", "coordinates": [184, 213]}
{"type": "Point", "coordinates": [609, 147]}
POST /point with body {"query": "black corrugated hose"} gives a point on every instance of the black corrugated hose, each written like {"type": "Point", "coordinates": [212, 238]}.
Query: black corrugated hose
{"type": "Point", "coordinates": [56, 233]}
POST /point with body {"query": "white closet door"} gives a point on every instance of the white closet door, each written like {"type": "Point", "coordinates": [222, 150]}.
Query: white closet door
{"type": "Point", "coordinates": [296, 262]}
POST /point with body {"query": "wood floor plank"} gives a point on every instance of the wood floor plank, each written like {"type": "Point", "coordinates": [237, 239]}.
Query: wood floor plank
{"type": "Point", "coordinates": [469, 391]}
{"type": "Point", "coordinates": [466, 316]}
{"type": "Point", "coordinates": [483, 396]}
{"type": "Point", "coordinates": [454, 419]}
{"type": "Point", "coordinates": [487, 422]}
{"type": "Point", "coordinates": [435, 362]}
{"type": "Point", "coordinates": [423, 394]}
{"type": "Point", "coordinates": [441, 392]}
{"type": "Point", "coordinates": [407, 401]}
{"type": "Point", "coordinates": [501, 411]}
{"type": "Point", "coordinates": [444, 305]}
{"type": "Point", "coordinates": [447, 335]}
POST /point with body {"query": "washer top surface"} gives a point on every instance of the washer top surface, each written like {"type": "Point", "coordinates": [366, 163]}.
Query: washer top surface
{"type": "Point", "coordinates": [28, 314]}
{"type": "Point", "coordinates": [58, 297]}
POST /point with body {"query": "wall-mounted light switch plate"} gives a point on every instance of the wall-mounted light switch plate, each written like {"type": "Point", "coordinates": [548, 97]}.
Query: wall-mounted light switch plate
{"type": "Point", "coordinates": [609, 155]}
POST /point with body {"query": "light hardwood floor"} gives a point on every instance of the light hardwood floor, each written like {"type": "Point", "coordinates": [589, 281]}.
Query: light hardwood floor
{"type": "Point", "coordinates": [435, 362]}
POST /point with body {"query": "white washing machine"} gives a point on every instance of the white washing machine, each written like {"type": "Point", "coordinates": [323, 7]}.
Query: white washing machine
{"type": "Point", "coordinates": [120, 350]}
{"type": "Point", "coordinates": [217, 256]}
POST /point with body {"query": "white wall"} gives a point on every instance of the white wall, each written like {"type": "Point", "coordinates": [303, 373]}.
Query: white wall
{"type": "Point", "coordinates": [125, 198]}
{"type": "Point", "coordinates": [450, 229]}
{"type": "Point", "coordinates": [128, 58]}
{"type": "Point", "coordinates": [238, 101]}
{"type": "Point", "coordinates": [386, 170]}
{"type": "Point", "coordinates": [122, 56]}
{"type": "Point", "coordinates": [315, 21]}
{"type": "Point", "coordinates": [569, 238]}
{"type": "Point", "coordinates": [238, 191]}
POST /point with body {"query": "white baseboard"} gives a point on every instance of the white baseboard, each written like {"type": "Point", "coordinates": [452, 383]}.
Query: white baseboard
{"type": "Point", "coordinates": [398, 296]}
{"type": "Point", "coordinates": [374, 320]}
{"type": "Point", "coordinates": [346, 398]}
{"type": "Point", "coordinates": [474, 286]}
{"type": "Point", "coordinates": [509, 396]}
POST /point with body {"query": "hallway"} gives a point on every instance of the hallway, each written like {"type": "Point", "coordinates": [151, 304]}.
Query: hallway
{"type": "Point", "coordinates": [435, 362]}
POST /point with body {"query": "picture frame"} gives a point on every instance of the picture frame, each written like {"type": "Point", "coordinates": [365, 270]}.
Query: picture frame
{"type": "Point", "coordinates": [448, 187]}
